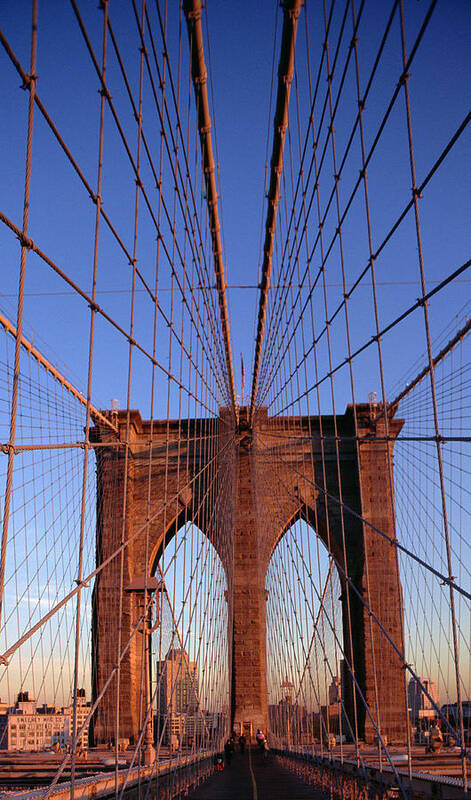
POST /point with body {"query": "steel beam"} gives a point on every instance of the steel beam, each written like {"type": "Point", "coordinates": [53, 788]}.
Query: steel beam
{"type": "Point", "coordinates": [291, 11]}
{"type": "Point", "coordinates": [192, 10]}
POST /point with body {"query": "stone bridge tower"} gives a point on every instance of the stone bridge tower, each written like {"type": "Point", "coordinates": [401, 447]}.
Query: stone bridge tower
{"type": "Point", "coordinates": [295, 461]}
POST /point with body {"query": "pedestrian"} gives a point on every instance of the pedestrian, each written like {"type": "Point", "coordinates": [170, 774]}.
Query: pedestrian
{"type": "Point", "coordinates": [265, 749]}
{"type": "Point", "coordinates": [228, 751]}
{"type": "Point", "coordinates": [242, 741]}
{"type": "Point", "coordinates": [260, 739]}
{"type": "Point", "coordinates": [435, 739]}
{"type": "Point", "coordinates": [219, 762]}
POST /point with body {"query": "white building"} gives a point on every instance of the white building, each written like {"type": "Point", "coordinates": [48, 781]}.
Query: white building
{"type": "Point", "coordinates": [24, 726]}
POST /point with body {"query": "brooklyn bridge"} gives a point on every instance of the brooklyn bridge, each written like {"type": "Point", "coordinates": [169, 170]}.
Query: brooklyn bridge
{"type": "Point", "coordinates": [235, 399]}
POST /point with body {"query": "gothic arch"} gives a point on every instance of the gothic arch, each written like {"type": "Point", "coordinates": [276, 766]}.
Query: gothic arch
{"type": "Point", "coordinates": [308, 514]}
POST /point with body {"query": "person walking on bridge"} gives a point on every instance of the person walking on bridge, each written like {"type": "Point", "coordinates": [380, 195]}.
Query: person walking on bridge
{"type": "Point", "coordinates": [260, 739]}
{"type": "Point", "coordinates": [228, 751]}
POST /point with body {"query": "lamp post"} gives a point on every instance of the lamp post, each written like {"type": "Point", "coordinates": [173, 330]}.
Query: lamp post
{"type": "Point", "coordinates": [143, 586]}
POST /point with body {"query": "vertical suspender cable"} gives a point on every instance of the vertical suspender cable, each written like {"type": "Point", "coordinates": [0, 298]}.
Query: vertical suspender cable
{"type": "Point", "coordinates": [291, 10]}
{"type": "Point", "coordinates": [88, 416]}
{"type": "Point", "coordinates": [30, 85]}
{"type": "Point", "coordinates": [198, 72]}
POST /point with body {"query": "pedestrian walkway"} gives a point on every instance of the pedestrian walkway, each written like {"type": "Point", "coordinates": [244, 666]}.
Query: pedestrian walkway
{"type": "Point", "coordinates": [251, 776]}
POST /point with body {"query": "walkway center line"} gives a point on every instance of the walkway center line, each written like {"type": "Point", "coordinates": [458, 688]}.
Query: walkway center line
{"type": "Point", "coordinates": [254, 784]}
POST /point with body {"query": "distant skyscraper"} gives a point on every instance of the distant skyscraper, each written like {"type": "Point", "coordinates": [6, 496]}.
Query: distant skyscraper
{"type": "Point", "coordinates": [178, 693]}
{"type": "Point", "coordinates": [335, 690]}
{"type": "Point", "coordinates": [419, 704]}
{"type": "Point", "coordinates": [179, 683]}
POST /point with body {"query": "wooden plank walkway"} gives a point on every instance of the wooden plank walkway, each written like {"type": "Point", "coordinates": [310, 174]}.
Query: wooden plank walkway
{"type": "Point", "coordinates": [252, 776]}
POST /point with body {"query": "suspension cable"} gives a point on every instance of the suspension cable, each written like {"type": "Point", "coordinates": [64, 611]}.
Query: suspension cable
{"type": "Point", "coordinates": [291, 11]}
{"type": "Point", "coordinates": [198, 70]}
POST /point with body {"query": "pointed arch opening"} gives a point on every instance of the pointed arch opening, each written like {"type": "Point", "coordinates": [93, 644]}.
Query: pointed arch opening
{"type": "Point", "coordinates": [190, 652]}
{"type": "Point", "coordinates": [305, 657]}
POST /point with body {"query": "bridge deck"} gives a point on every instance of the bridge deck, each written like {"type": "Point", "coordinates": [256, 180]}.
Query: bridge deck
{"type": "Point", "coordinates": [251, 776]}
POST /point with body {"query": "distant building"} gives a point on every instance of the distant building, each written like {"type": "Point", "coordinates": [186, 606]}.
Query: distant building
{"type": "Point", "coordinates": [420, 705]}
{"type": "Point", "coordinates": [178, 695]}
{"type": "Point", "coordinates": [27, 727]}
{"type": "Point", "coordinates": [25, 703]}
{"type": "Point", "coordinates": [288, 721]}
{"type": "Point", "coordinates": [83, 709]}
{"type": "Point", "coordinates": [450, 711]}
{"type": "Point", "coordinates": [335, 690]}
{"type": "Point", "coordinates": [287, 690]}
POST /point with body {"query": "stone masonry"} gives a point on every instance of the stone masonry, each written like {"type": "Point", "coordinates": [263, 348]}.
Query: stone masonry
{"type": "Point", "coordinates": [280, 470]}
